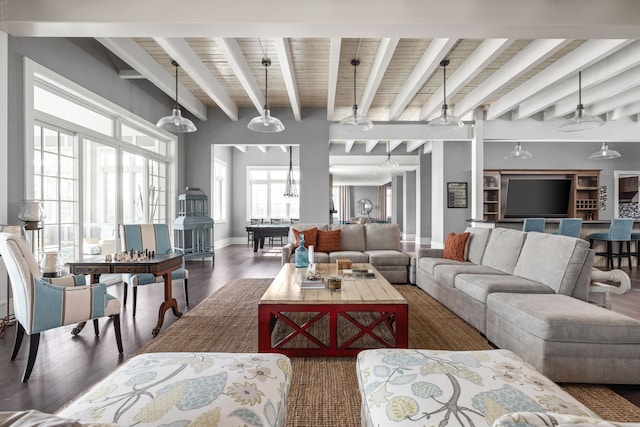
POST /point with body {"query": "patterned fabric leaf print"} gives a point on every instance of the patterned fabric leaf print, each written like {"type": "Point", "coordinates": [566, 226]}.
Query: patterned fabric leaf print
{"type": "Point", "coordinates": [380, 396]}
{"type": "Point", "coordinates": [249, 417]}
{"type": "Point", "coordinates": [402, 359]}
{"type": "Point", "coordinates": [426, 390]}
{"type": "Point", "coordinates": [467, 360]}
{"type": "Point", "coordinates": [401, 407]}
{"type": "Point", "coordinates": [381, 371]}
{"type": "Point", "coordinates": [100, 392]}
{"type": "Point", "coordinates": [208, 419]}
{"type": "Point", "coordinates": [141, 378]}
{"type": "Point", "coordinates": [402, 379]}
{"type": "Point", "coordinates": [199, 392]}
{"type": "Point", "coordinates": [493, 410]}
{"type": "Point", "coordinates": [161, 405]}
{"type": "Point", "coordinates": [270, 413]}
{"type": "Point", "coordinates": [508, 397]}
{"type": "Point", "coordinates": [447, 368]}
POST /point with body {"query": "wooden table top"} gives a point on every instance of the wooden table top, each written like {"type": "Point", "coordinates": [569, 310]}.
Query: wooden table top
{"type": "Point", "coordinates": [285, 288]}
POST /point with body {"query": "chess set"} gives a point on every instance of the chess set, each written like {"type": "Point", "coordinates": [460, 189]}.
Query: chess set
{"type": "Point", "coordinates": [130, 256]}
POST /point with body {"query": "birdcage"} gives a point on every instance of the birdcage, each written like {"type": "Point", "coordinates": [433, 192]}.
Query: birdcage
{"type": "Point", "coordinates": [193, 228]}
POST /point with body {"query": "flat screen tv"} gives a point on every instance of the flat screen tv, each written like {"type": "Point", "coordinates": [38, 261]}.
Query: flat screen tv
{"type": "Point", "coordinates": [546, 198]}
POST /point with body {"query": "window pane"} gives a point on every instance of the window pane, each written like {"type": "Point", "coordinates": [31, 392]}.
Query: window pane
{"type": "Point", "coordinates": [67, 146]}
{"type": "Point", "coordinates": [67, 191]}
{"type": "Point", "coordinates": [259, 201]}
{"type": "Point", "coordinates": [50, 164]}
{"type": "Point", "coordinates": [37, 136]}
{"type": "Point", "coordinates": [63, 108]}
{"type": "Point", "coordinates": [50, 141]}
{"type": "Point", "coordinates": [258, 175]}
{"type": "Point", "coordinates": [67, 167]}
{"type": "Point", "coordinates": [50, 188]}
{"type": "Point", "coordinates": [143, 140]}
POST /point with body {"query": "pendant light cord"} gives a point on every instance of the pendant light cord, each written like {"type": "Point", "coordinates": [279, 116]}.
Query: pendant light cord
{"type": "Point", "coordinates": [176, 106]}
{"type": "Point", "coordinates": [580, 89]}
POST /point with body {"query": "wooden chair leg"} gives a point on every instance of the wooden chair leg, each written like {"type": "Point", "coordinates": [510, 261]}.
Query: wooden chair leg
{"type": "Point", "coordinates": [18, 341]}
{"type": "Point", "coordinates": [33, 352]}
{"type": "Point", "coordinates": [96, 327]}
{"type": "Point", "coordinates": [126, 289]}
{"type": "Point", "coordinates": [135, 299]}
{"type": "Point", "coordinates": [629, 253]}
{"type": "Point", "coordinates": [116, 329]}
{"type": "Point", "coordinates": [186, 292]}
{"type": "Point", "coordinates": [610, 254]}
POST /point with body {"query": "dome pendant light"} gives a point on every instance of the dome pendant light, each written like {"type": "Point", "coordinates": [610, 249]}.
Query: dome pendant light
{"type": "Point", "coordinates": [604, 153]}
{"type": "Point", "coordinates": [388, 163]}
{"type": "Point", "coordinates": [175, 122]}
{"type": "Point", "coordinates": [519, 153]}
{"type": "Point", "coordinates": [446, 121]}
{"type": "Point", "coordinates": [355, 122]}
{"type": "Point", "coordinates": [580, 121]}
{"type": "Point", "coordinates": [265, 123]}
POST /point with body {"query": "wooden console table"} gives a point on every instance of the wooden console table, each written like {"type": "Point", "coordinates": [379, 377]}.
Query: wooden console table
{"type": "Point", "coordinates": [160, 265]}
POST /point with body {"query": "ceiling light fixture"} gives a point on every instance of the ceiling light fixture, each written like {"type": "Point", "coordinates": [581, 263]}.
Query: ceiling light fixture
{"type": "Point", "coordinates": [290, 189]}
{"type": "Point", "coordinates": [580, 121]}
{"type": "Point", "coordinates": [446, 121]}
{"type": "Point", "coordinates": [388, 163]}
{"type": "Point", "coordinates": [175, 122]}
{"type": "Point", "coordinates": [265, 122]}
{"type": "Point", "coordinates": [604, 153]}
{"type": "Point", "coordinates": [355, 122]}
{"type": "Point", "coordinates": [519, 153]}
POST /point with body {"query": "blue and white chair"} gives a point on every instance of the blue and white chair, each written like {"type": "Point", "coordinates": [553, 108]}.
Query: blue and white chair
{"type": "Point", "coordinates": [570, 227]}
{"type": "Point", "coordinates": [150, 237]}
{"type": "Point", "coordinates": [43, 304]}
{"type": "Point", "coordinates": [533, 224]}
{"type": "Point", "coordinates": [620, 232]}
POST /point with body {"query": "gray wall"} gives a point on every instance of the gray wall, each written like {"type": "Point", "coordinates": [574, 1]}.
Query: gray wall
{"type": "Point", "coordinates": [410, 203]}
{"type": "Point", "coordinates": [425, 196]}
{"type": "Point", "coordinates": [457, 168]}
{"type": "Point", "coordinates": [397, 185]}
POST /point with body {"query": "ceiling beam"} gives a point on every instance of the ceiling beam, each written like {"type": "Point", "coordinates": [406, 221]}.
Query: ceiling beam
{"type": "Point", "coordinates": [283, 148]}
{"type": "Point", "coordinates": [332, 83]}
{"type": "Point", "coordinates": [130, 75]}
{"type": "Point", "coordinates": [614, 64]}
{"type": "Point", "coordinates": [597, 93]}
{"type": "Point", "coordinates": [414, 145]}
{"type": "Point", "coordinates": [380, 64]}
{"type": "Point", "coordinates": [138, 59]}
{"type": "Point", "coordinates": [426, 66]}
{"type": "Point", "coordinates": [625, 111]}
{"type": "Point", "coordinates": [180, 51]}
{"type": "Point", "coordinates": [371, 144]}
{"type": "Point", "coordinates": [242, 70]}
{"type": "Point", "coordinates": [283, 51]}
{"type": "Point", "coordinates": [475, 63]}
{"type": "Point", "coordinates": [532, 55]}
{"type": "Point", "coordinates": [242, 148]}
{"type": "Point", "coordinates": [590, 52]}
{"type": "Point", "coordinates": [348, 145]}
{"type": "Point", "coordinates": [394, 143]}
{"type": "Point", "coordinates": [616, 98]}
{"type": "Point", "coordinates": [262, 148]}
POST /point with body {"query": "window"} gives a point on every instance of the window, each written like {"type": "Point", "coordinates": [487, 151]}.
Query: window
{"type": "Point", "coordinates": [389, 212]}
{"type": "Point", "coordinates": [219, 202]}
{"type": "Point", "coordinates": [265, 193]}
{"type": "Point", "coordinates": [94, 164]}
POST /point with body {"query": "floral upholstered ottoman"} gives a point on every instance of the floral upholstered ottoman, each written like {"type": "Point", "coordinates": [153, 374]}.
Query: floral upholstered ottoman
{"type": "Point", "coordinates": [401, 387]}
{"type": "Point", "coordinates": [195, 389]}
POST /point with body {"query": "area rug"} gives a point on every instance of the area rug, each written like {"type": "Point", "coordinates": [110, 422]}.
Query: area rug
{"type": "Point", "coordinates": [324, 391]}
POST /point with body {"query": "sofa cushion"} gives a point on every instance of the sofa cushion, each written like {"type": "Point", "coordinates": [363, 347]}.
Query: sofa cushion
{"type": "Point", "coordinates": [354, 256]}
{"type": "Point", "coordinates": [565, 319]}
{"type": "Point", "coordinates": [456, 246]}
{"type": "Point", "coordinates": [318, 257]}
{"type": "Point", "coordinates": [446, 273]}
{"type": "Point", "coordinates": [352, 237]}
{"type": "Point", "coordinates": [503, 249]}
{"type": "Point", "coordinates": [382, 236]}
{"type": "Point", "coordinates": [428, 264]}
{"type": "Point", "coordinates": [328, 241]}
{"type": "Point", "coordinates": [479, 286]}
{"type": "Point", "coordinates": [561, 256]}
{"type": "Point", "coordinates": [477, 243]}
{"type": "Point", "coordinates": [299, 227]}
{"type": "Point", "coordinates": [388, 257]}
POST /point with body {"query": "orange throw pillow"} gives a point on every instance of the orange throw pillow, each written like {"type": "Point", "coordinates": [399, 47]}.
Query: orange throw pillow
{"type": "Point", "coordinates": [455, 246]}
{"type": "Point", "coordinates": [310, 237]}
{"type": "Point", "coordinates": [329, 241]}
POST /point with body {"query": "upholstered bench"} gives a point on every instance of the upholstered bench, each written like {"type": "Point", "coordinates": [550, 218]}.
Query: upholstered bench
{"type": "Point", "coordinates": [221, 389]}
{"type": "Point", "coordinates": [401, 387]}
{"type": "Point", "coordinates": [566, 339]}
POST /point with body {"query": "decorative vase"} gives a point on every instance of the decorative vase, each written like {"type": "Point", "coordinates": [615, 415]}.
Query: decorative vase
{"type": "Point", "coordinates": [31, 211]}
{"type": "Point", "coordinates": [51, 265]}
{"type": "Point", "coordinates": [302, 255]}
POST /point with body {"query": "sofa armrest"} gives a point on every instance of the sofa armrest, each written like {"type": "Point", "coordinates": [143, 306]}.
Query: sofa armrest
{"type": "Point", "coordinates": [287, 250]}
{"type": "Point", "coordinates": [599, 276]}
{"type": "Point", "coordinates": [429, 253]}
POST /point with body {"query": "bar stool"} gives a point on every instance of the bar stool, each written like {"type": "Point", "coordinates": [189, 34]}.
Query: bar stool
{"type": "Point", "coordinates": [636, 238]}
{"type": "Point", "coordinates": [619, 231]}
{"type": "Point", "coordinates": [570, 227]}
{"type": "Point", "coordinates": [533, 224]}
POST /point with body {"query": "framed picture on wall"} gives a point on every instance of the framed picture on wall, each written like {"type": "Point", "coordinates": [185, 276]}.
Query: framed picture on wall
{"type": "Point", "coordinates": [456, 194]}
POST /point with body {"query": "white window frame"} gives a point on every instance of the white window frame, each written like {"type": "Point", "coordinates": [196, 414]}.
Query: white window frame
{"type": "Point", "coordinates": [268, 182]}
{"type": "Point", "coordinates": [219, 190]}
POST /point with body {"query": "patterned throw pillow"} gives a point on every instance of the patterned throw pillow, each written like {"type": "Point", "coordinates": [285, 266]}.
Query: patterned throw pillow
{"type": "Point", "coordinates": [310, 237]}
{"type": "Point", "coordinates": [455, 246]}
{"type": "Point", "coordinates": [329, 241]}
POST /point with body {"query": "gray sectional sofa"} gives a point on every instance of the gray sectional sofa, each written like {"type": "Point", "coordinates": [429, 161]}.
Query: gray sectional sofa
{"type": "Point", "coordinates": [378, 244]}
{"type": "Point", "coordinates": [528, 293]}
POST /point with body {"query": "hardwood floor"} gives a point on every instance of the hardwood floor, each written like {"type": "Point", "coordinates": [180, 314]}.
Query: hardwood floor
{"type": "Point", "coordinates": [67, 365]}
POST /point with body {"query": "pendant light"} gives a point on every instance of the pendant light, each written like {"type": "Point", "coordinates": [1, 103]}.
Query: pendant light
{"type": "Point", "coordinates": [519, 153]}
{"type": "Point", "coordinates": [355, 122]}
{"type": "Point", "coordinates": [580, 121]}
{"type": "Point", "coordinates": [175, 122]}
{"type": "Point", "coordinates": [446, 121]}
{"type": "Point", "coordinates": [604, 153]}
{"type": "Point", "coordinates": [265, 123]}
{"type": "Point", "coordinates": [388, 163]}
{"type": "Point", "coordinates": [290, 189]}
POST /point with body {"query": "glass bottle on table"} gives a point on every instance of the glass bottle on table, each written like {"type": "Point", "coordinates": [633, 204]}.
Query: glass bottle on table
{"type": "Point", "coordinates": [302, 255]}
